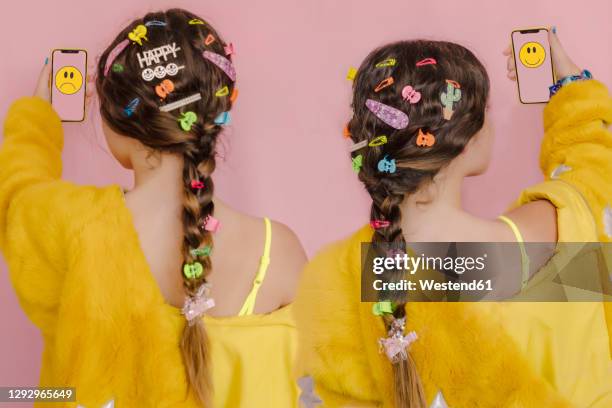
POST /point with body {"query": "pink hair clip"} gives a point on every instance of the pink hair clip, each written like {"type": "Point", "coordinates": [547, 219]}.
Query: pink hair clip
{"type": "Point", "coordinates": [197, 184]}
{"type": "Point", "coordinates": [114, 54]}
{"type": "Point", "coordinates": [411, 95]}
{"type": "Point", "coordinates": [396, 344]}
{"type": "Point", "coordinates": [376, 224]}
{"type": "Point", "coordinates": [211, 224]}
{"type": "Point", "coordinates": [229, 49]}
{"type": "Point", "coordinates": [391, 116]}
{"type": "Point", "coordinates": [223, 63]}
{"type": "Point", "coordinates": [195, 306]}
{"type": "Point", "coordinates": [426, 61]}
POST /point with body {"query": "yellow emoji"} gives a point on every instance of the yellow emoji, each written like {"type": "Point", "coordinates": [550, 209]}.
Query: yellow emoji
{"type": "Point", "coordinates": [68, 80]}
{"type": "Point", "coordinates": [532, 54]}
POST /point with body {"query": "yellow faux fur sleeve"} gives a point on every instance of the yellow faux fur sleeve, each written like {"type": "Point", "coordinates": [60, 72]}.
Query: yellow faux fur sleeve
{"type": "Point", "coordinates": [577, 146]}
{"type": "Point", "coordinates": [461, 351]}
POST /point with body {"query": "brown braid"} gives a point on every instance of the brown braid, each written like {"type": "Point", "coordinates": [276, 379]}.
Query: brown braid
{"type": "Point", "coordinates": [160, 132]}
{"type": "Point", "coordinates": [416, 166]}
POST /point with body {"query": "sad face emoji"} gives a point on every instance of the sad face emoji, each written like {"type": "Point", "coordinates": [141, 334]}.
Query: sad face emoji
{"type": "Point", "coordinates": [68, 80]}
{"type": "Point", "coordinates": [532, 54]}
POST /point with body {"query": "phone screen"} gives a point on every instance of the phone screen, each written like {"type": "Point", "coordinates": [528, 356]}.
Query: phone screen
{"type": "Point", "coordinates": [68, 82]}
{"type": "Point", "coordinates": [533, 62]}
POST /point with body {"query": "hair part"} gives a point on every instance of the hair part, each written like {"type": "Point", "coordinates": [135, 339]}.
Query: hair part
{"type": "Point", "coordinates": [160, 132]}
{"type": "Point", "coordinates": [416, 165]}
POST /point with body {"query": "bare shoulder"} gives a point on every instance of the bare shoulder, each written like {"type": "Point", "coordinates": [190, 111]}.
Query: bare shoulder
{"type": "Point", "coordinates": [287, 258]}
{"type": "Point", "coordinates": [536, 220]}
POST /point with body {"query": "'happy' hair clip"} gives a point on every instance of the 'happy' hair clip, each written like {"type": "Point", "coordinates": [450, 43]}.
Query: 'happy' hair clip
{"type": "Point", "coordinates": [114, 54]}
{"type": "Point", "coordinates": [180, 103]}
{"type": "Point", "coordinates": [223, 63]}
{"type": "Point", "coordinates": [391, 116]}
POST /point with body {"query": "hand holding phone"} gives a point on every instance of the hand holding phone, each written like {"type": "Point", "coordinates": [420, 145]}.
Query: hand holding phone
{"type": "Point", "coordinates": [68, 83]}
{"type": "Point", "coordinates": [533, 64]}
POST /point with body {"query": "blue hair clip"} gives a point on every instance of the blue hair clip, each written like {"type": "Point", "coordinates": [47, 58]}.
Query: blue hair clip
{"type": "Point", "coordinates": [223, 118]}
{"type": "Point", "coordinates": [387, 166]}
{"type": "Point", "coordinates": [131, 107]}
{"type": "Point", "coordinates": [155, 23]}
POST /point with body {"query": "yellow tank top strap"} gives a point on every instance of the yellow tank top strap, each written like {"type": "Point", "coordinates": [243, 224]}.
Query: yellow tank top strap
{"type": "Point", "coordinates": [249, 303]}
{"type": "Point", "coordinates": [521, 242]}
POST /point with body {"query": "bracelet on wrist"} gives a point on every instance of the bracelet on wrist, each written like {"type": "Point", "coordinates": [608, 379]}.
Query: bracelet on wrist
{"type": "Point", "coordinates": [584, 75]}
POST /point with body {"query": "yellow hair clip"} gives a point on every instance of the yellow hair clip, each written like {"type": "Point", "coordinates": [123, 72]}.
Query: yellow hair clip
{"type": "Point", "coordinates": [138, 34]}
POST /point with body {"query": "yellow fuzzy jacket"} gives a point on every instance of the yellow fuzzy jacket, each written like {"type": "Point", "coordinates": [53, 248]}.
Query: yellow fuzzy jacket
{"type": "Point", "coordinates": [81, 277]}
{"type": "Point", "coordinates": [481, 355]}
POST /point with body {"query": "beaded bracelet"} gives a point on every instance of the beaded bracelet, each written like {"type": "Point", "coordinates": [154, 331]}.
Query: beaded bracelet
{"type": "Point", "coordinates": [585, 74]}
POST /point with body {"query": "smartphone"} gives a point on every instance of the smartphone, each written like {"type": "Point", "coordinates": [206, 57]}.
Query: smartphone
{"type": "Point", "coordinates": [533, 62]}
{"type": "Point", "coordinates": [68, 82]}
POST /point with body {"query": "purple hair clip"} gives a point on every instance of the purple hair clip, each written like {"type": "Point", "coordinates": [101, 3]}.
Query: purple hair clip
{"type": "Point", "coordinates": [195, 306]}
{"type": "Point", "coordinates": [114, 54]}
{"type": "Point", "coordinates": [395, 346]}
{"type": "Point", "coordinates": [391, 116]}
{"type": "Point", "coordinates": [223, 63]}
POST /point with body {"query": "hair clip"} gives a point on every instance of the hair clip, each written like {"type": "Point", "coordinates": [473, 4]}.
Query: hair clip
{"type": "Point", "coordinates": [426, 61]}
{"type": "Point", "coordinates": [391, 116]}
{"type": "Point", "coordinates": [425, 139]}
{"type": "Point", "coordinates": [223, 118]}
{"type": "Point", "coordinates": [234, 95]}
{"type": "Point", "coordinates": [187, 120]}
{"type": "Point", "coordinates": [383, 84]}
{"type": "Point", "coordinates": [352, 73]}
{"type": "Point", "coordinates": [117, 67]}
{"type": "Point", "coordinates": [378, 141]}
{"type": "Point", "coordinates": [389, 62]}
{"type": "Point", "coordinates": [223, 63]}
{"type": "Point", "coordinates": [357, 163]}
{"type": "Point", "coordinates": [165, 88]}
{"type": "Point", "coordinates": [200, 252]}
{"type": "Point", "coordinates": [411, 95]}
{"type": "Point", "coordinates": [377, 224]}
{"type": "Point", "coordinates": [396, 344]}
{"type": "Point", "coordinates": [222, 91]}
{"type": "Point", "coordinates": [196, 305]}
{"type": "Point", "coordinates": [386, 166]}
{"type": "Point", "coordinates": [383, 307]}
{"type": "Point", "coordinates": [193, 270]}
{"type": "Point", "coordinates": [197, 184]}
{"type": "Point", "coordinates": [114, 54]}
{"type": "Point", "coordinates": [155, 23]}
{"type": "Point", "coordinates": [346, 133]}
{"type": "Point", "coordinates": [195, 21]}
{"type": "Point", "coordinates": [211, 224]}
{"type": "Point", "coordinates": [138, 34]}
{"type": "Point", "coordinates": [308, 398]}
{"type": "Point", "coordinates": [358, 145]}
{"type": "Point", "coordinates": [229, 49]}
{"type": "Point", "coordinates": [180, 103]}
{"type": "Point", "coordinates": [160, 71]}
{"type": "Point", "coordinates": [155, 55]}
{"type": "Point", "coordinates": [209, 39]}
{"type": "Point", "coordinates": [452, 95]}
{"type": "Point", "coordinates": [131, 107]}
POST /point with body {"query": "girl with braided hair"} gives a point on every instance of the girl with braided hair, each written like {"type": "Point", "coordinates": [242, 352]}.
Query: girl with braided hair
{"type": "Point", "coordinates": [419, 127]}
{"type": "Point", "coordinates": [122, 284]}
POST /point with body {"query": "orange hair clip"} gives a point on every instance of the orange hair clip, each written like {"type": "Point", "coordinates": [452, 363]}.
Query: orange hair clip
{"type": "Point", "coordinates": [346, 132]}
{"type": "Point", "coordinates": [234, 95]}
{"type": "Point", "coordinates": [209, 39]}
{"type": "Point", "coordinates": [453, 83]}
{"type": "Point", "coordinates": [383, 84]}
{"type": "Point", "coordinates": [425, 139]}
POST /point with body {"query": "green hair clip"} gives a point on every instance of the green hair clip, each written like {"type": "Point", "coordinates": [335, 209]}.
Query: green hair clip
{"type": "Point", "coordinates": [384, 307]}
{"type": "Point", "coordinates": [197, 252]}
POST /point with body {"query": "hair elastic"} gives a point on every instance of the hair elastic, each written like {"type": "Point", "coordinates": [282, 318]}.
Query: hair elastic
{"type": "Point", "coordinates": [180, 103]}
{"type": "Point", "coordinates": [114, 54]}
{"type": "Point", "coordinates": [187, 120]}
{"type": "Point", "coordinates": [377, 224]}
{"type": "Point", "coordinates": [196, 305]}
{"type": "Point", "coordinates": [383, 84]}
{"type": "Point", "coordinates": [391, 116]}
{"type": "Point", "coordinates": [358, 145]}
{"type": "Point", "coordinates": [426, 61]}
{"type": "Point", "coordinates": [131, 107]}
{"type": "Point", "coordinates": [223, 63]}
{"type": "Point", "coordinates": [211, 224]}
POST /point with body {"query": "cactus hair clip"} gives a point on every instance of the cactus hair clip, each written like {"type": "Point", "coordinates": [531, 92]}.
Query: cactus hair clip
{"type": "Point", "coordinates": [209, 39]}
{"type": "Point", "coordinates": [411, 95]}
{"type": "Point", "coordinates": [425, 139]}
{"type": "Point", "coordinates": [383, 84]}
{"type": "Point", "coordinates": [187, 120]}
{"type": "Point", "coordinates": [131, 107]}
{"type": "Point", "coordinates": [138, 34]}
{"type": "Point", "coordinates": [165, 88]}
{"type": "Point", "coordinates": [386, 166]}
{"type": "Point", "coordinates": [352, 73]}
{"type": "Point", "coordinates": [357, 162]}
{"type": "Point", "coordinates": [389, 62]}
{"type": "Point", "coordinates": [196, 305]}
{"type": "Point", "coordinates": [223, 63]}
{"type": "Point", "coordinates": [391, 116]}
{"type": "Point", "coordinates": [452, 95]}
{"type": "Point", "coordinates": [155, 23]}
{"type": "Point", "coordinates": [426, 61]}
{"type": "Point", "coordinates": [211, 224]}
{"type": "Point", "coordinates": [358, 146]}
{"type": "Point", "coordinates": [114, 54]}
{"type": "Point", "coordinates": [222, 91]}
{"type": "Point", "coordinates": [378, 141]}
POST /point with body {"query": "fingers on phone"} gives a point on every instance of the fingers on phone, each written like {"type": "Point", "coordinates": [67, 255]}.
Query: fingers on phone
{"type": "Point", "coordinates": [508, 50]}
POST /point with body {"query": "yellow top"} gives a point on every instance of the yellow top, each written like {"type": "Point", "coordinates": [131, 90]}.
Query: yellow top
{"type": "Point", "coordinates": [462, 349]}
{"type": "Point", "coordinates": [249, 303]}
{"type": "Point", "coordinates": [521, 242]}
{"type": "Point", "coordinates": [81, 277]}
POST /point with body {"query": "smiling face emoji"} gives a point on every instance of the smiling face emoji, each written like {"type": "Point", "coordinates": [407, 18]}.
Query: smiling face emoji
{"type": "Point", "coordinates": [68, 80]}
{"type": "Point", "coordinates": [532, 54]}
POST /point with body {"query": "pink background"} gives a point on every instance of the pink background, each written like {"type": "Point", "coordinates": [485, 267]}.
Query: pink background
{"type": "Point", "coordinates": [284, 154]}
